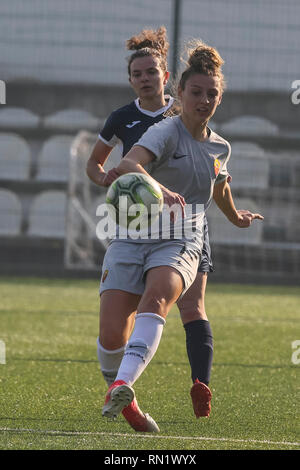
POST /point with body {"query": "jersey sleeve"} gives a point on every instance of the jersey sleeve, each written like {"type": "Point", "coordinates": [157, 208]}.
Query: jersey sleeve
{"type": "Point", "coordinates": [108, 133]}
{"type": "Point", "coordinates": [159, 139]}
{"type": "Point", "coordinates": [223, 174]}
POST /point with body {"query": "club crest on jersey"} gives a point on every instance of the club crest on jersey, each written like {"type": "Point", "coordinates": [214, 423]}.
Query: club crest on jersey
{"type": "Point", "coordinates": [104, 275]}
{"type": "Point", "coordinates": [217, 165]}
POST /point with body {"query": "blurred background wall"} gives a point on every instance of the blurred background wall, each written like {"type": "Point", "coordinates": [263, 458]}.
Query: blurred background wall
{"type": "Point", "coordinates": [64, 66]}
{"type": "Point", "coordinates": [83, 41]}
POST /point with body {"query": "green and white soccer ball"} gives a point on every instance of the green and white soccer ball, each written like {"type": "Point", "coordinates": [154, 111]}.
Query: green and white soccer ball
{"type": "Point", "coordinates": [134, 197]}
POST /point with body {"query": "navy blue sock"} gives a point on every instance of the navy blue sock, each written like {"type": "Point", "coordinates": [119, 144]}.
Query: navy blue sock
{"type": "Point", "coordinates": [199, 345]}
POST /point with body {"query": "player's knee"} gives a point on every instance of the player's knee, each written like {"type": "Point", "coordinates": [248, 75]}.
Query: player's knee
{"type": "Point", "coordinates": [154, 303]}
{"type": "Point", "coordinates": [111, 338]}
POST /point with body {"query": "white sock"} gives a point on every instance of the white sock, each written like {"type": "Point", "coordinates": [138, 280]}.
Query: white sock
{"type": "Point", "coordinates": [109, 362]}
{"type": "Point", "coordinates": [141, 346]}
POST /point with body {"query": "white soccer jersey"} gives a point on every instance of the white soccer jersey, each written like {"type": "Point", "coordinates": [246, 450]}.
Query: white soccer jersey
{"type": "Point", "coordinates": [183, 164]}
{"type": "Point", "coordinates": [188, 167]}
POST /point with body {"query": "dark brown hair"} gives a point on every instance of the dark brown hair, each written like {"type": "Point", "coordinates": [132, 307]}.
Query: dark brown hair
{"type": "Point", "coordinates": [149, 43]}
{"type": "Point", "coordinates": [203, 59]}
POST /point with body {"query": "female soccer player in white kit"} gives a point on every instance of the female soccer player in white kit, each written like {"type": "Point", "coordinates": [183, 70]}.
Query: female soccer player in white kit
{"type": "Point", "coordinates": [190, 163]}
{"type": "Point", "coordinates": [148, 75]}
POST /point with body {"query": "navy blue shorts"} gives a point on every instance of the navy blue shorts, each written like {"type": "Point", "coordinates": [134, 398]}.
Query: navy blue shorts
{"type": "Point", "coordinates": [206, 264]}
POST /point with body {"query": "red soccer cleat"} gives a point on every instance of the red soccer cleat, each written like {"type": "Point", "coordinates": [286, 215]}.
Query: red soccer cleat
{"type": "Point", "coordinates": [201, 398]}
{"type": "Point", "coordinates": [139, 421]}
{"type": "Point", "coordinates": [118, 396]}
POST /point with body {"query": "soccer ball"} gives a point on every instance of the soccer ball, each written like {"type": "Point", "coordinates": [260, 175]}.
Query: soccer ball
{"type": "Point", "coordinates": [134, 197]}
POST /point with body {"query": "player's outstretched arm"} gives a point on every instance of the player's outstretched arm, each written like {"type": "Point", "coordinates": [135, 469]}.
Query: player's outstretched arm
{"type": "Point", "coordinates": [224, 200]}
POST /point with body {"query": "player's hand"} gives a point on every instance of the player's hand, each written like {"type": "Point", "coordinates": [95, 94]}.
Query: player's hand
{"type": "Point", "coordinates": [110, 177]}
{"type": "Point", "coordinates": [175, 200]}
{"type": "Point", "coordinates": [245, 218]}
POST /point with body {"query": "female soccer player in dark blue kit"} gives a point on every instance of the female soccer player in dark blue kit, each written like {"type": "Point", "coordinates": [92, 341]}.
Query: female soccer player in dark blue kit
{"type": "Point", "coordinates": [148, 75]}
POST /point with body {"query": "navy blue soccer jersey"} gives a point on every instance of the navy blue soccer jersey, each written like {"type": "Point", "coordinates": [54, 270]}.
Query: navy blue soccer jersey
{"type": "Point", "coordinates": [128, 124]}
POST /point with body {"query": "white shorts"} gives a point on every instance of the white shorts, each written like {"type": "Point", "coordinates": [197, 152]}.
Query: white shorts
{"type": "Point", "coordinates": [125, 263]}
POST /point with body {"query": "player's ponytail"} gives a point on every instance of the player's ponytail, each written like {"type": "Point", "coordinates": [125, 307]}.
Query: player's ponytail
{"type": "Point", "coordinates": [203, 59]}
{"type": "Point", "coordinates": [149, 43]}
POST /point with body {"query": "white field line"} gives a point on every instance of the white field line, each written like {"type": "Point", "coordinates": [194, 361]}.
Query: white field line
{"type": "Point", "coordinates": [147, 436]}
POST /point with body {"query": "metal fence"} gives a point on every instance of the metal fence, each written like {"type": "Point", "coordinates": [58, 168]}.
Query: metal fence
{"type": "Point", "coordinates": [75, 41]}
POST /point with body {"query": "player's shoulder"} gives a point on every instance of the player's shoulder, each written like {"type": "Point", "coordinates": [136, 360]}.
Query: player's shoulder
{"type": "Point", "coordinates": [165, 129]}
{"type": "Point", "coordinates": [168, 123]}
{"type": "Point", "coordinates": [218, 139]}
{"type": "Point", "coordinates": [162, 135]}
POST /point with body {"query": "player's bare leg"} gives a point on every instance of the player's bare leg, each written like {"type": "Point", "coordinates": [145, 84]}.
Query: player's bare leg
{"type": "Point", "coordinates": [117, 315]}
{"type": "Point", "coordinates": [192, 304]}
